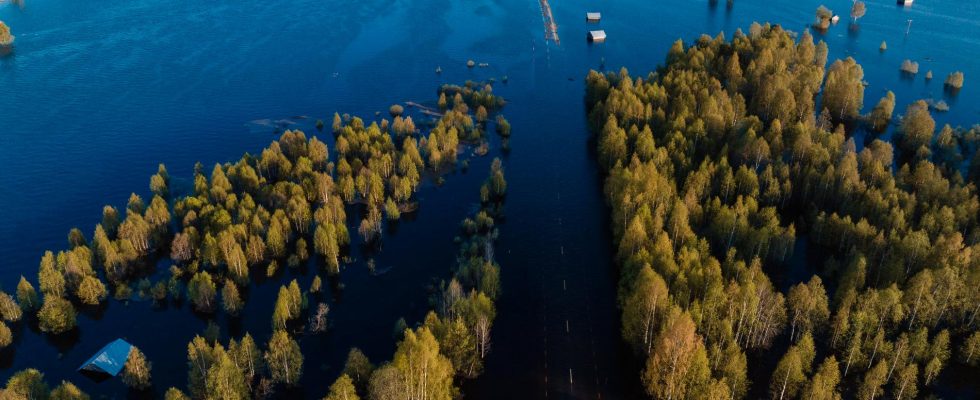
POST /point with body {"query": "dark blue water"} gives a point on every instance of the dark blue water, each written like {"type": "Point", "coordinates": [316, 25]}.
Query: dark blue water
{"type": "Point", "coordinates": [96, 94]}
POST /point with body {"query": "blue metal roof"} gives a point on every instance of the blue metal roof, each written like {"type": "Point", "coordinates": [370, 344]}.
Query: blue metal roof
{"type": "Point", "coordinates": [110, 359]}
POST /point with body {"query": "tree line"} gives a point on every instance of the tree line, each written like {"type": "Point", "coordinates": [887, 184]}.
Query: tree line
{"type": "Point", "coordinates": [719, 162]}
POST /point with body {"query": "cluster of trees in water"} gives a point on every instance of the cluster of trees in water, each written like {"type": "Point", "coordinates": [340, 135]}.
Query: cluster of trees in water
{"type": "Point", "coordinates": [454, 338]}
{"type": "Point", "coordinates": [719, 162]}
{"type": "Point", "coordinates": [264, 210]}
{"type": "Point", "coordinates": [6, 39]}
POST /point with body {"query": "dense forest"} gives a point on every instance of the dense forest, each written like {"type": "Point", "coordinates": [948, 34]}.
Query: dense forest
{"type": "Point", "coordinates": [721, 160]}
{"type": "Point", "coordinates": [280, 209]}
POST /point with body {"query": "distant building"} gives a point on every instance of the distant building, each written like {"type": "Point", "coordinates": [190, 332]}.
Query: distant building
{"type": "Point", "coordinates": [597, 36]}
{"type": "Point", "coordinates": [593, 16]}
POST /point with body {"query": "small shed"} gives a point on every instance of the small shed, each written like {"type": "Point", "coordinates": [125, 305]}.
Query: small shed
{"type": "Point", "coordinates": [597, 36]}
{"type": "Point", "coordinates": [110, 359]}
{"type": "Point", "coordinates": [593, 16]}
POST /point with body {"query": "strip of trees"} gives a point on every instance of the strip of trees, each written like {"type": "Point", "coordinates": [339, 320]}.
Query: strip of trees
{"type": "Point", "coordinates": [264, 210]}
{"type": "Point", "coordinates": [454, 339]}
{"type": "Point", "coordinates": [719, 162]}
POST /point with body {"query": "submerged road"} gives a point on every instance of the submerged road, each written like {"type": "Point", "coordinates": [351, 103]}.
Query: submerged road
{"type": "Point", "coordinates": [557, 329]}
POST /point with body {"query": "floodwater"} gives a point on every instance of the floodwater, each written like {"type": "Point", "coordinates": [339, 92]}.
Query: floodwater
{"type": "Point", "coordinates": [96, 94]}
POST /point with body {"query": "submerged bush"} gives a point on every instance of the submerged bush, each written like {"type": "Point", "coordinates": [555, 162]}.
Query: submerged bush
{"type": "Point", "coordinates": [396, 110]}
{"type": "Point", "coordinates": [824, 15]}
{"type": "Point", "coordinates": [955, 80]}
{"type": "Point", "coordinates": [6, 39]}
{"type": "Point", "coordinates": [910, 67]}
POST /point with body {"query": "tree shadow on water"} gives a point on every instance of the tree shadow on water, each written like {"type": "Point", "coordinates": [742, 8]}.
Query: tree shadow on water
{"type": "Point", "coordinates": [65, 341]}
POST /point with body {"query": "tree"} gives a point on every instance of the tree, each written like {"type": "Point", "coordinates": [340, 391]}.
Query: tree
{"type": "Point", "coordinates": [396, 110]}
{"type": "Point", "coordinates": [337, 123]}
{"type": "Point", "coordinates": [858, 10]}
{"type": "Point", "coordinates": [318, 321]}
{"type": "Point", "coordinates": [91, 291]}
{"type": "Point", "coordinates": [230, 298]}
{"type": "Point", "coordinates": [481, 114]}
{"type": "Point", "coordinates": [325, 244]}
{"type": "Point", "coordinates": [26, 384]}
{"type": "Point", "coordinates": [874, 379]}
{"type": "Point", "coordinates": [57, 315]}
{"type": "Point", "coordinates": [201, 291]}
{"type": "Point", "coordinates": [427, 374]}
{"type": "Point", "coordinates": [457, 342]}
{"type": "Point", "coordinates": [882, 112]}
{"type": "Point", "coordinates": [181, 249]}
{"type": "Point", "coordinates": [68, 391]}
{"type": "Point", "coordinates": [6, 39]}
{"type": "Point", "coordinates": [27, 296]}
{"type": "Point", "coordinates": [823, 386]}
{"type": "Point", "coordinates": [317, 285]}
{"type": "Point", "coordinates": [175, 394]}
{"type": "Point", "coordinates": [917, 127]}
{"type": "Point", "coordinates": [824, 15]}
{"type": "Point", "coordinates": [9, 309]}
{"type": "Point", "coordinates": [643, 310]}
{"type": "Point", "coordinates": [496, 183]}
{"type": "Point", "coordinates": [387, 383]}
{"type": "Point", "coordinates": [503, 126]}
{"type": "Point", "coordinates": [970, 351]}
{"type": "Point", "coordinates": [808, 307]}
{"type": "Point", "coordinates": [6, 337]}
{"type": "Point", "coordinates": [954, 80]}
{"type": "Point", "coordinates": [938, 354]}
{"type": "Point", "coordinates": [51, 280]}
{"type": "Point", "coordinates": [136, 372]}
{"type": "Point", "coordinates": [678, 364]}
{"type": "Point", "coordinates": [843, 93]}
{"type": "Point", "coordinates": [906, 383]}
{"type": "Point", "coordinates": [358, 368]}
{"type": "Point", "coordinates": [226, 381]}
{"type": "Point", "coordinates": [284, 359]}
{"type": "Point", "coordinates": [612, 143]}
{"type": "Point", "coordinates": [247, 356]}
{"type": "Point", "coordinates": [342, 389]}
{"type": "Point", "coordinates": [288, 305]}
{"type": "Point", "coordinates": [909, 67]}
{"type": "Point", "coordinates": [788, 376]}
{"type": "Point", "coordinates": [160, 182]}
{"type": "Point", "coordinates": [200, 357]}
